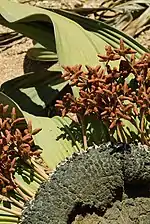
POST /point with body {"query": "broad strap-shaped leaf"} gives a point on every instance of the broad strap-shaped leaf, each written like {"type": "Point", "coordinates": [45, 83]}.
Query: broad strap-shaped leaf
{"type": "Point", "coordinates": [72, 42]}
{"type": "Point", "coordinates": [24, 177]}
{"type": "Point", "coordinates": [6, 100]}
{"type": "Point", "coordinates": [30, 21]}
{"type": "Point", "coordinates": [106, 32]}
{"type": "Point", "coordinates": [40, 53]}
{"type": "Point", "coordinates": [57, 141]}
{"type": "Point", "coordinates": [70, 32]}
{"type": "Point", "coordinates": [35, 92]}
{"type": "Point", "coordinates": [56, 138]}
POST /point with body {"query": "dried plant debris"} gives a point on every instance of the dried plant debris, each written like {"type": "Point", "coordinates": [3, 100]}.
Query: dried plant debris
{"type": "Point", "coordinates": [120, 97]}
{"type": "Point", "coordinates": [130, 16]}
{"type": "Point", "coordinates": [7, 39]}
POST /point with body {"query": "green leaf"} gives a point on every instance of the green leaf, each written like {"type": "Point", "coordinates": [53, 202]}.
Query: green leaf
{"type": "Point", "coordinates": [56, 138]}
{"type": "Point", "coordinates": [35, 21]}
{"type": "Point", "coordinates": [108, 33]}
{"type": "Point", "coordinates": [76, 39]}
{"type": "Point", "coordinates": [4, 99]}
{"type": "Point", "coordinates": [30, 184]}
{"type": "Point", "coordinates": [8, 101]}
{"type": "Point", "coordinates": [36, 91]}
{"type": "Point", "coordinates": [96, 131]}
{"type": "Point", "coordinates": [57, 141]}
{"type": "Point", "coordinates": [40, 53]}
{"type": "Point", "coordinates": [68, 34]}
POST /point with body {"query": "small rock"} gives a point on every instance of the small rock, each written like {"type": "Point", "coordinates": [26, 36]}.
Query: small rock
{"type": "Point", "coordinates": [78, 4]}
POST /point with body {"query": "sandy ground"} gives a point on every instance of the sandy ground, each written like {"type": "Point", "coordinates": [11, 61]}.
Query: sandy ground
{"type": "Point", "coordinates": [12, 60]}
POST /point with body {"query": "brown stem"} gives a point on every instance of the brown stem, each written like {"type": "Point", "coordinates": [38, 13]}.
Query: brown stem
{"type": "Point", "coordinates": [38, 178]}
{"type": "Point", "coordinates": [18, 214]}
{"type": "Point", "coordinates": [24, 189]}
{"type": "Point", "coordinates": [39, 170]}
{"type": "Point", "coordinates": [142, 122]}
{"type": "Point", "coordinates": [4, 179]}
{"type": "Point", "coordinates": [119, 133]}
{"type": "Point", "coordinates": [81, 118]}
{"type": "Point", "coordinates": [19, 204]}
{"type": "Point", "coordinates": [25, 197]}
{"type": "Point", "coordinates": [143, 139]}
{"type": "Point", "coordinates": [43, 176]}
{"type": "Point", "coordinates": [122, 134]}
{"type": "Point", "coordinates": [12, 200]}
